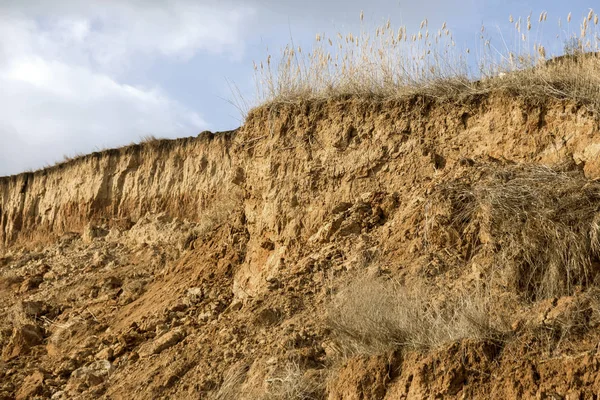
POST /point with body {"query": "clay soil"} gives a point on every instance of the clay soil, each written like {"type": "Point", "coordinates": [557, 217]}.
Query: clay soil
{"type": "Point", "coordinates": [235, 266]}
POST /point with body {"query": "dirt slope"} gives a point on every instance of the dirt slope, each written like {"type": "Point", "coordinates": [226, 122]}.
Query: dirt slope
{"type": "Point", "coordinates": [225, 266]}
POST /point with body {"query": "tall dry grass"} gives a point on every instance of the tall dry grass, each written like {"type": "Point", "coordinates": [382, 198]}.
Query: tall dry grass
{"type": "Point", "coordinates": [391, 62]}
{"type": "Point", "coordinates": [540, 224]}
{"type": "Point", "coordinates": [373, 316]}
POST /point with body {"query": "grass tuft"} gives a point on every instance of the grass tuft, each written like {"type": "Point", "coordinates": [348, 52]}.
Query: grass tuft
{"type": "Point", "coordinates": [291, 382]}
{"type": "Point", "coordinates": [540, 224]}
{"type": "Point", "coordinates": [233, 380]}
{"type": "Point", "coordinates": [374, 317]}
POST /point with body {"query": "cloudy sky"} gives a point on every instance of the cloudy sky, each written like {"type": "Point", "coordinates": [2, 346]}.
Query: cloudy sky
{"type": "Point", "coordinates": [77, 76]}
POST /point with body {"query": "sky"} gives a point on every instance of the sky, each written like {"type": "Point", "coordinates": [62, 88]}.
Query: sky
{"type": "Point", "coordinates": [80, 76]}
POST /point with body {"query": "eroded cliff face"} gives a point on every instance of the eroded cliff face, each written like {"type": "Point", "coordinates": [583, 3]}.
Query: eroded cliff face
{"type": "Point", "coordinates": [276, 215]}
{"type": "Point", "coordinates": [329, 145]}
{"type": "Point", "coordinates": [180, 176]}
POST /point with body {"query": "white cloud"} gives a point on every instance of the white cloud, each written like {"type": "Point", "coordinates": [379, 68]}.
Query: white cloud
{"type": "Point", "coordinates": [64, 71]}
{"type": "Point", "coordinates": [51, 109]}
{"type": "Point", "coordinates": [111, 35]}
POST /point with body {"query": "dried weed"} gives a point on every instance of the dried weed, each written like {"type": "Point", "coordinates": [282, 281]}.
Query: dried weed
{"type": "Point", "coordinates": [294, 383]}
{"type": "Point", "coordinates": [541, 225]}
{"type": "Point", "coordinates": [232, 382]}
{"type": "Point", "coordinates": [374, 317]}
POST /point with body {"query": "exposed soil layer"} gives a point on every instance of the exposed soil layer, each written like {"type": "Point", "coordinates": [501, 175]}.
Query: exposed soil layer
{"type": "Point", "coordinates": [208, 267]}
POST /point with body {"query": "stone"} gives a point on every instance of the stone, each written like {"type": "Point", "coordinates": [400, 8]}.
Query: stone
{"type": "Point", "coordinates": [31, 283]}
{"type": "Point", "coordinates": [21, 341]}
{"type": "Point", "coordinates": [92, 374]}
{"type": "Point", "coordinates": [66, 367]}
{"type": "Point", "coordinates": [163, 342]}
{"type": "Point", "coordinates": [105, 354]}
{"type": "Point", "coordinates": [31, 309]}
{"type": "Point", "coordinates": [33, 385]}
{"type": "Point", "coordinates": [194, 295]}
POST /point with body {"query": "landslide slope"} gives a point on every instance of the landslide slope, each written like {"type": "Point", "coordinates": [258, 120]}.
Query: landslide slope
{"type": "Point", "coordinates": [341, 249]}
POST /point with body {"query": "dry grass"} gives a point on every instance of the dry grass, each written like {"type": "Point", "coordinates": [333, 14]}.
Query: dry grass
{"type": "Point", "coordinates": [292, 383]}
{"type": "Point", "coordinates": [540, 224]}
{"type": "Point", "coordinates": [373, 317]}
{"type": "Point", "coordinates": [232, 382]}
{"type": "Point", "coordinates": [390, 62]}
{"type": "Point", "coordinates": [581, 314]}
{"type": "Point", "coordinates": [563, 326]}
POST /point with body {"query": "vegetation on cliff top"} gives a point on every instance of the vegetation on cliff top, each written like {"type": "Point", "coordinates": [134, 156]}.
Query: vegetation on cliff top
{"type": "Point", "coordinates": [391, 62]}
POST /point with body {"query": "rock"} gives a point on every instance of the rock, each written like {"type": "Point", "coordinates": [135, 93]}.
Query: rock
{"type": "Point", "coordinates": [238, 177]}
{"type": "Point", "coordinates": [236, 305]}
{"type": "Point", "coordinates": [269, 317]}
{"type": "Point", "coordinates": [60, 395]}
{"type": "Point", "coordinates": [33, 385]}
{"type": "Point", "coordinates": [195, 295]}
{"type": "Point", "coordinates": [111, 283]}
{"type": "Point", "coordinates": [326, 231]}
{"type": "Point", "coordinates": [163, 342]}
{"type": "Point", "coordinates": [349, 228]}
{"type": "Point", "coordinates": [21, 341]}
{"type": "Point", "coordinates": [129, 339]}
{"type": "Point", "coordinates": [31, 309]}
{"type": "Point", "coordinates": [92, 232]}
{"type": "Point", "coordinates": [66, 367]}
{"type": "Point", "coordinates": [105, 354]}
{"type": "Point", "coordinates": [178, 307]}
{"type": "Point", "coordinates": [31, 283]}
{"type": "Point", "coordinates": [340, 208]}
{"type": "Point", "coordinates": [92, 374]}
{"type": "Point", "coordinates": [49, 276]}
{"type": "Point", "coordinates": [58, 341]}
{"type": "Point", "coordinates": [10, 281]}
{"type": "Point", "coordinates": [204, 317]}
{"type": "Point", "coordinates": [268, 244]}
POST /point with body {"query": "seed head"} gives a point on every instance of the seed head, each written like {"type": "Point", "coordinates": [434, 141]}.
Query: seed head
{"type": "Point", "coordinates": [542, 51]}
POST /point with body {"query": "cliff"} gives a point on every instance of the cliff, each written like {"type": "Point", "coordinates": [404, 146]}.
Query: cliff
{"type": "Point", "coordinates": [184, 176]}
{"type": "Point", "coordinates": [212, 266]}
